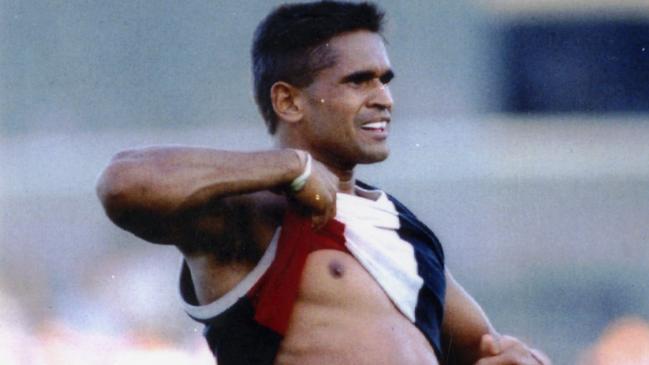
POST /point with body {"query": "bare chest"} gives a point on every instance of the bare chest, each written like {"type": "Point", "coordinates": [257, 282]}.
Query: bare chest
{"type": "Point", "coordinates": [342, 316]}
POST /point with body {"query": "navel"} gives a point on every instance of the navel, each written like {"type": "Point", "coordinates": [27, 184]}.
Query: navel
{"type": "Point", "coordinates": [336, 269]}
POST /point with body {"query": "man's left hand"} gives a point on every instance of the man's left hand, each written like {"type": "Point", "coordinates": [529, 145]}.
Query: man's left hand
{"type": "Point", "coordinates": [507, 350]}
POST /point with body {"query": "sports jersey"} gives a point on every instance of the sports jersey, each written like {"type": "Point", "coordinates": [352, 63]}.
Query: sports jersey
{"type": "Point", "coordinates": [247, 324]}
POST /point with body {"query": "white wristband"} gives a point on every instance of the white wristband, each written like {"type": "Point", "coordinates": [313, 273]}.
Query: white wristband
{"type": "Point", "coordinates": [298, 183]}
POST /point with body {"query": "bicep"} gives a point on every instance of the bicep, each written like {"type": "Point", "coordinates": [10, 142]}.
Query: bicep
{"type": "Point", "coordinates": [179, 229]}
{"type": "Point", "coordinates": [232, 229]}
{"type": "Point", "coordinates": [464, 324]}
{"type": "Point", "coordinates": [193, 229]}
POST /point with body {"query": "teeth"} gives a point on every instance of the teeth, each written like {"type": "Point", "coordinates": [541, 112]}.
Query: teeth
{"type": "Point", "coordinates": [375, 125]}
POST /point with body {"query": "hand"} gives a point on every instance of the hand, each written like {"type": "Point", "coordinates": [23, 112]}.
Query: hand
{"type": "Point", "coordinates": [319, 194]}
{"type": "Point", "coordinates": [507, 350]}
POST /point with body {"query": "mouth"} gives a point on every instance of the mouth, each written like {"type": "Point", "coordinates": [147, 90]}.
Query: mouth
{"type": "Point", "coordinates": [380, 126]}
{"type": "Point", "coordinates": [376, 130]}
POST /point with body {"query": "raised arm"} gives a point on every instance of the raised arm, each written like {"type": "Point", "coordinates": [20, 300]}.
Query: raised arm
{"type": "Point", "coordinates": [151, 191]}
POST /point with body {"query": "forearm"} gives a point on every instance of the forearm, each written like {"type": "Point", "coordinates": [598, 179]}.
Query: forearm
{"type": "Point", "coordinates": [169, 180]}
{"type": "Point", "coordinates": [464, 325]}
{"type": "Point", "coordinates": [470, 339]}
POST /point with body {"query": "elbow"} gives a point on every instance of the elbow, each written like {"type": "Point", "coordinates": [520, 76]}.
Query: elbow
{"type": "Point", "coordinates": [112, 193]}
{"type": "Point", "coordinates": [118, 185]}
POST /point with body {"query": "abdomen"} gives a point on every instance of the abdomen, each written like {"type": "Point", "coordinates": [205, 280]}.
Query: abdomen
{"type": "Point", "coordinates": [342, 316]}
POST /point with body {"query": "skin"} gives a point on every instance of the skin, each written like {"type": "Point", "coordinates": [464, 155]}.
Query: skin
{"type": "Point", "coordinates": [184, 195]}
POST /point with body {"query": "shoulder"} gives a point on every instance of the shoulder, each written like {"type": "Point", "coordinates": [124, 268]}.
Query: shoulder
{"type": "Point", "coordinates": [399, 206]}
{"type": "Point", "coordinates": [410, 222]}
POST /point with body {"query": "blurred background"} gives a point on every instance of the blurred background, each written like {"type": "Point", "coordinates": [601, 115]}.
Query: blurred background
{"type": "Point", "coordinates": [520, 135]}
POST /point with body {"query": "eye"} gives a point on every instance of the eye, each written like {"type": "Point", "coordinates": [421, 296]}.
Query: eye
{"type": "Point", "coordinates": [368, 78]}
{"type": "Point", "coordinates": [359, 80]}
{"type": "Point", "coordinates": [386, 78]}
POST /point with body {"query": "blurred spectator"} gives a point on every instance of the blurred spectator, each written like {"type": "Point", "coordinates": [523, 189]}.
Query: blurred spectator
{"type": "Point", "coordinates": [14, 334]}
{"type": "Point", "coordinates": [624, 342]}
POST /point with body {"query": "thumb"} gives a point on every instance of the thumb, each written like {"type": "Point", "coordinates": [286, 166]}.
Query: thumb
{"type": "Point", "coordinates": [489, 345]}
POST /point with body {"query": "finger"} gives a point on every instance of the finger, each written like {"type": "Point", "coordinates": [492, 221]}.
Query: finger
{"type": "Point", "coordinates": [518, 347]}
{"type": "Point", "coordinates": [507, 341]}
{"type": "Point", "coordinates": [489, 345]}
{"type": "Point", "coordinates": [495, 360]}
{"type": "Point", "coordinates": [329, 212]}
{"type": "Point", "coordinates": [510, 358]}
{"type": "Point", "coordinates": [540, 357]}
{"type": "Point", "coordinates": [318, 221]}
{"type": "Point", "coordinates": [513, 351]}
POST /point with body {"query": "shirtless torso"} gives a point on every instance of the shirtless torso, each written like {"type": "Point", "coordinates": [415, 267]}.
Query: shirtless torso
{"type": "Point", "coordinates": [341, 314]}
{"type": "Point", "coordinates": [347, 319]}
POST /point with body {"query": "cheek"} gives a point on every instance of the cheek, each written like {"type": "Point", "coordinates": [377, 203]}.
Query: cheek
{"type": "Point", "coordinates": [334, 114]}
{"type": "Point", "coordinates": [344, 111]}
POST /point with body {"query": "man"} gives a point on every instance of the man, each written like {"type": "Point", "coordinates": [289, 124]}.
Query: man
{"type": "Point", "coordinates": [271, 273]}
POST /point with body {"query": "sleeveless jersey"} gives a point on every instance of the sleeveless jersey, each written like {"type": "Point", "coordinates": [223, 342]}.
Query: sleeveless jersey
{"type": "Point", "coordinates": [246, 325]}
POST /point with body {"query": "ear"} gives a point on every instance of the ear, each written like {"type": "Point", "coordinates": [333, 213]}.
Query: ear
{"type": "Point", "coordinates": [287, 101]}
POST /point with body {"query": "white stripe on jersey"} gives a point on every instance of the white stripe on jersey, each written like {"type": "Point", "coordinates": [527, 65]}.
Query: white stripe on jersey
{"type": "Point", "coordinates": [371, 236]}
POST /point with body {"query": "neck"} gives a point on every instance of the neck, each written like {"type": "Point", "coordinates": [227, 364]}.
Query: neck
{"type": "Point", "coordinates": [345, 173]}
{"type": "Point", "coordinates": [346, 180]}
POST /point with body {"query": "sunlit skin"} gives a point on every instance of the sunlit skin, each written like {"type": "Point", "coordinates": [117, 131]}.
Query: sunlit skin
{"type": "Point", "coordinates": [177, 195]}
{"type": "Point", "coordinates": [342, 100]}
{"type": "Point", "coordinates": [341, 315]}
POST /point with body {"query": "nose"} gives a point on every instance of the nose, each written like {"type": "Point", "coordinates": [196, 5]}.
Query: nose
{"type": "Point", "coordinates": [382, 98]}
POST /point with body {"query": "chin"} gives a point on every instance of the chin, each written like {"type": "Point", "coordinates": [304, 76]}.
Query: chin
{"type": "Point", "coordinates": [370, 157]}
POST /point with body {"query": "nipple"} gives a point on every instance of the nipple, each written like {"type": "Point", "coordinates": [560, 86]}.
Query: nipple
{"type": "Point", "coordinates": [336, 269]}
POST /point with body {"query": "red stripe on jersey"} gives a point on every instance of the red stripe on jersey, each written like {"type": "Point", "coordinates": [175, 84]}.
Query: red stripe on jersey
{"type": "Point", "coordinates": [274, 295]}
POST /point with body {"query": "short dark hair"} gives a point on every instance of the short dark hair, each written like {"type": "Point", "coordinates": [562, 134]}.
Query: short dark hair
{"type": "Point", "coordinates": [288, 44]}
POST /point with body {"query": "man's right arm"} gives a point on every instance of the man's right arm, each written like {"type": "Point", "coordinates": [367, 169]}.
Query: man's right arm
{"type": "Point", "coordinates": [151, 191]}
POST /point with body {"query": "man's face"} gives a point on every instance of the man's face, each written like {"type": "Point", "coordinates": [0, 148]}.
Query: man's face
{"type": "Point", "coordinates": [348, 105]}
